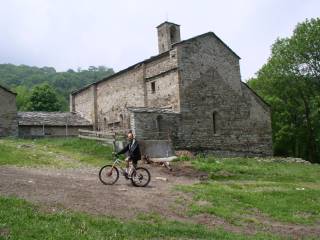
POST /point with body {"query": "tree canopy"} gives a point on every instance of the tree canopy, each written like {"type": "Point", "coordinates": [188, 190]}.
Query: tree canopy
{"type": "Point", "coordinates": [22, 79]}
{"type": "Point", "coordinates": [290, 83]}
{"type": "Point", "coordinates": [44, 98]}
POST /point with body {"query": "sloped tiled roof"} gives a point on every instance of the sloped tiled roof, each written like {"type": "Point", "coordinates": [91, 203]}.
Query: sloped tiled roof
{"type": "Point", "coordinates": [51, 119]}
{"type": "Point", "coordinates": [8, 90]}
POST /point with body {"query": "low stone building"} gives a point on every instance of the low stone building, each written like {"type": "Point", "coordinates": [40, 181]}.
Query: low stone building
{"type": "Point", "coordinates": [8, 113]}
{"type": "Point", "coordinates": [51, 124]}
{"type": "Point", "coordinates": [191, 90]}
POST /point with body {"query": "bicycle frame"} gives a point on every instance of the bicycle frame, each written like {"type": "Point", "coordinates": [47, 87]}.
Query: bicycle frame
{"type": "Point", "coordinates": [117, 162]}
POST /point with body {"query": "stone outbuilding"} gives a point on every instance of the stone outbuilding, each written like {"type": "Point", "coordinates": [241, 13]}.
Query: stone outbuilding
{"type": "Point", "coordinates": [8, 113]}
{"type": "Point", "coordinates": [51, 124]}
{"type": "Point", "coordinates": [191, 90]}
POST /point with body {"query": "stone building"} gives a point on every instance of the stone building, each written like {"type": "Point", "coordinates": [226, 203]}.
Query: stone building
{"type": "Point", "coordinates": [36, 124]}
{"type": "Point", "coordinates": [8, 113]}
{"type": "Point", "coordinates": [191, 90]}
{"type": "Point", "coordinates": [51, 124]}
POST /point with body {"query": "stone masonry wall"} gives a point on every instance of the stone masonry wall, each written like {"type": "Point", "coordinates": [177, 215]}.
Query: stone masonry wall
{"type": "Point", "coordinates": [164, 75]}
{"type": "Point", "coordinates": [8, 114]}
{"type": "Point", "coordinates": [116, 94]}
{"type": "Point", "coordinates": [131, 88]}
{"type": "Point", "coordinates": [217, 115]}
{"type": "Point", "coordinates": [83, 103]}
{"type": "Point", "coordinates": [155, 125]}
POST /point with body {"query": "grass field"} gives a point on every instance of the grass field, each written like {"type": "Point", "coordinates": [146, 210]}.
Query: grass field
{"type": "Point", "coordinates": [240, 191]}
{"type": "Point", "coordinates": [22, 220]}
{"type": "Point", "coordinates": [53, 152]}
{"type": "Point", "coordinates": [245, 190]}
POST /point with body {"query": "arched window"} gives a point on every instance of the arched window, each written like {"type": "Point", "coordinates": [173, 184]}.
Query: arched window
{"type": "Point", "coordinates": [214, 122]}
{"type": "Point", "coordinates": [173, 33]}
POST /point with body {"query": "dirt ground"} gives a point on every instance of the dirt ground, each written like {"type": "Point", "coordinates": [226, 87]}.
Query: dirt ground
{"type": "Point", "coordinates": [81, 190]}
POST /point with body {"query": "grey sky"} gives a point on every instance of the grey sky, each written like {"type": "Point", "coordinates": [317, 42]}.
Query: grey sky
{"type": "Point", "coordinates": [79, 33]}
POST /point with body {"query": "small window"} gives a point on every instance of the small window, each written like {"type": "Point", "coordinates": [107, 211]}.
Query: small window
{"type": "Point", "coordinates": [173, 33]}
{"type": "Point", "coordinates": [214, 123]}
{"type": "Point", "coordinates": [159, 122]}
{"type": "Point", "coordinates": [153, 87]}
{"type": "Point", "coordinates": [104, 123]}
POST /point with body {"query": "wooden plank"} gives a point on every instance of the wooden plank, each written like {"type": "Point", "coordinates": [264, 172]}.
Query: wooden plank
{"type": "Point", "coordinates": [97, 133]}
{"type": "Point", "coordinates": [96, 138]}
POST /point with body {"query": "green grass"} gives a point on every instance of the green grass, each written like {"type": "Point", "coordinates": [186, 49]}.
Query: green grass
{"type": "Point", "coordinates": [53, 152]}
{"type": "Point", "coordinates": [22, 220]}
{"type": "Point", "coordinates": [86, 151]}
{"type": "Point", "coordinates": [242, 190]}
{"type": "Point", "coordinates": [256, 169]}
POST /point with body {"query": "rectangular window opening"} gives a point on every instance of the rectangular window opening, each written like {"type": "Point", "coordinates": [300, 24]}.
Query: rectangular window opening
{"type": "Point", "coordinates": [153, 87]}
{"type": "Point", "coordinates": [214, 125]}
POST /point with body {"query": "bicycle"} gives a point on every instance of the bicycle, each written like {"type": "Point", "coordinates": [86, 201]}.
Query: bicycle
{"type": "Point", "coordinates": [109, 174]}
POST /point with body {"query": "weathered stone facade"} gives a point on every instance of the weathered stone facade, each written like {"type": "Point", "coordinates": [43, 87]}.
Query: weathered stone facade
{"type": "Point", "coordinates": [8, 113]}
{"type": "Point", "coordinates": [192, 90]}
{"type": "Point", "coordinates": [229, 119]}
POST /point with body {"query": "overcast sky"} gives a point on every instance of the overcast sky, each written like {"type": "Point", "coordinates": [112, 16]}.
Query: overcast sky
{"type": "Point", "coordinates": [118, 33]}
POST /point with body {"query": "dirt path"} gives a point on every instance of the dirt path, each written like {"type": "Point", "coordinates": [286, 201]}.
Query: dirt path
{"type": "Point", "coordinates": [81, 190]}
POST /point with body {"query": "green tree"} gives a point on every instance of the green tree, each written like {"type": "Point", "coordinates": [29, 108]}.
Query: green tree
{"type": "Point", "coordinates": [23, 98]}
{"type": "Point", "coordinates": [25, 77]}
{"type": "Point", "coordinates": [290, 83]}
{"type": "Point", "coordinates": [44, 98]}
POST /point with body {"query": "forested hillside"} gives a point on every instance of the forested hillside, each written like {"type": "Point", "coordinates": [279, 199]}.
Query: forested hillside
{"type": "Point", "coordinates": [23, 79]}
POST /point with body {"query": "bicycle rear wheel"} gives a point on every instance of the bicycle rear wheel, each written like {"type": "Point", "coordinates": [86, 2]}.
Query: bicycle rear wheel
{"type": "Point", "coordinates": [140, 177]}
{"type": "Point", "coordinates": [108, 175]}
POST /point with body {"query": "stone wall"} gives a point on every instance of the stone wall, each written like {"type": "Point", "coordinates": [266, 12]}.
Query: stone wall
{"type": "Point", "coordinates": [156, 125]}
{"type": "Point", "coordinates": [164, 63]}
{"type": "Point", "coordinates": [116, 94]}
{"type": "Point", "coordinates": [105, 103]}
{"type": "Point", "coordinates": [50, 131]}
{"type": "Point", "coordinates": [163, 75]}
{"type": "Point", "coordinates": [217, 114]}
{"type": "Point", "coordinates": [209, 51]}
{"type": "Point", "coordinates": [83, 102]}
{"type": "Point", "coordinates": [168, 33]}
{"type": "Point", "coordinates": [8, 114]}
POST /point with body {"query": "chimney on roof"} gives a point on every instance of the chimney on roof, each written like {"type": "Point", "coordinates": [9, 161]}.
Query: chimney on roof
{"type": "Point", "coordinates": [168, 34]}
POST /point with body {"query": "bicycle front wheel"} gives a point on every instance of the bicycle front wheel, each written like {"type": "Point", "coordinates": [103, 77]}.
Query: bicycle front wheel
{"type": "Point", "coordinates": [108, 175]}
{"type": "Point", "coordinates": [140, 177]}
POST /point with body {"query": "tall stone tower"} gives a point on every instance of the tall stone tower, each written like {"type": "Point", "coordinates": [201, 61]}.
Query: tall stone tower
{"type": "Point", "coordinates": [168, 34]}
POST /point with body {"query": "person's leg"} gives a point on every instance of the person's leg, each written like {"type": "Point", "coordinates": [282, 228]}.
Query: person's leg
{"type": "Point", "coordinates": [130, 169]}
{"type": "Point", "coordinates": [127, 164]}
{"type": "Point", "coordinates": [135, 164]}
